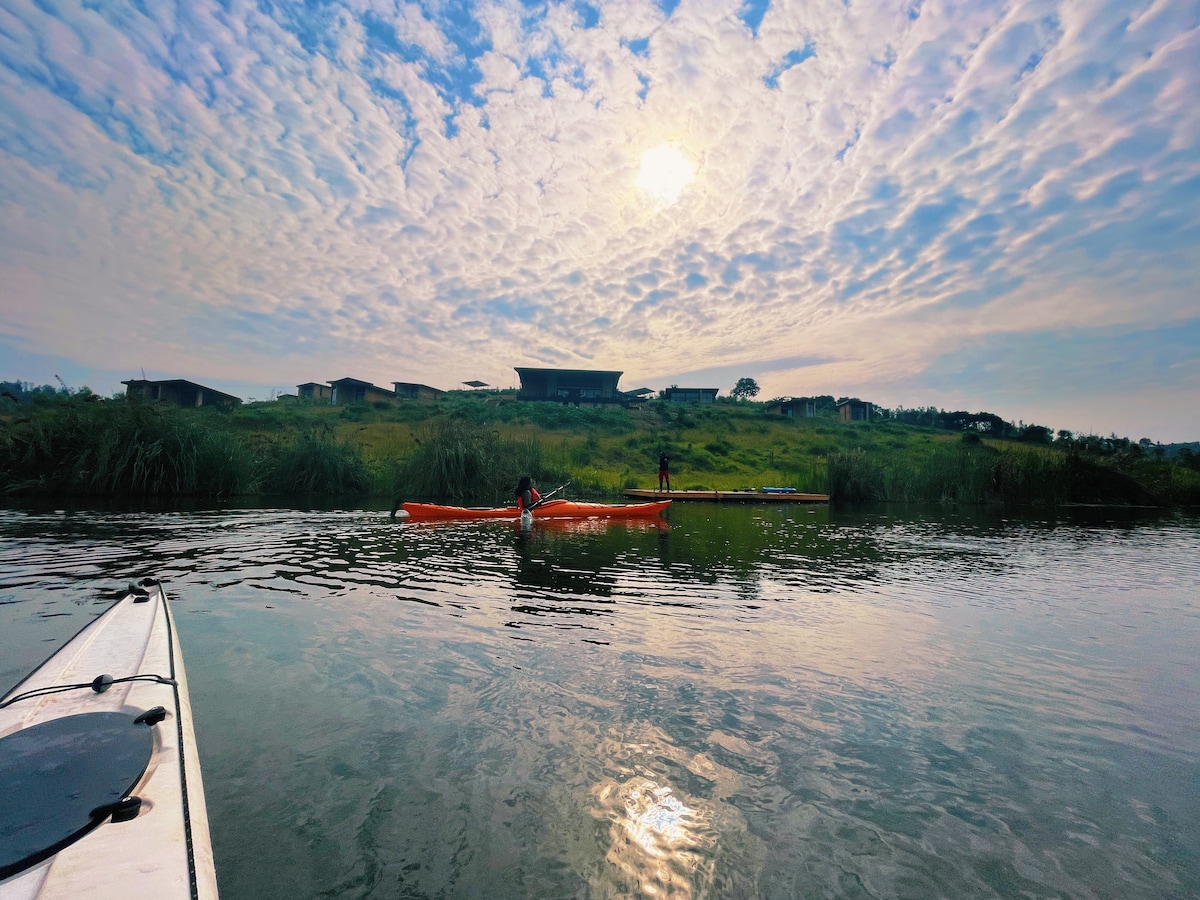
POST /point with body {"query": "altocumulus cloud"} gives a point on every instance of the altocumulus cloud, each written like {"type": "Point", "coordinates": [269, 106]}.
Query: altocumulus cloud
{"type": "Point", "coordinates": [902, 200]}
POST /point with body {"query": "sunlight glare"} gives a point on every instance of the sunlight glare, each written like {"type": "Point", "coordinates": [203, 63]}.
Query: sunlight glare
{"type": "Point", "coordinates": [666, 171]}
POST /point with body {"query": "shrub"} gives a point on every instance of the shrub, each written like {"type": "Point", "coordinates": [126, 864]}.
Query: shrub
{"type": "Point", "coordinates": [121, 449]}
{"type": "Point", "coordinates": [316, 462]}
{"type": "Point", "coordinates": [460, 462]}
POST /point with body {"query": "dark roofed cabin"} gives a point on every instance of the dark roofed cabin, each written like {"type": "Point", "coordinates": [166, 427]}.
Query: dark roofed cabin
{"type": "Point", "coordinates": [854, 411]}
{"type": "Point", "coordinates": [351, 390]}
{"type": "Point", "coordinates": [408, 391]}
{"type": "Point", "coordinates": [689, 395]}
{"type": "Point", "coordinates": [574, 387]}
{"type": "Point", "coordinates": [311, 390]}
{"type": "Point", "coordinates": [796, 408]}
{"type": "Point", "coordinates": [178, 392]}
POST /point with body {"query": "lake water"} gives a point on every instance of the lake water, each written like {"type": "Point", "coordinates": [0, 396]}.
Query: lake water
{"type": "Point", "coordinates": [738, 701]}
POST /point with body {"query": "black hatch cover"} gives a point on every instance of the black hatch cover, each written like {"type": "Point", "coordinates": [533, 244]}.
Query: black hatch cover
{"type": "Point", "coordinates": [60, 779]}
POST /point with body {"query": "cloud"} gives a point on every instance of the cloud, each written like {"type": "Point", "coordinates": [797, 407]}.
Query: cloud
{"type": "Point", "coordinates": [265, 189]}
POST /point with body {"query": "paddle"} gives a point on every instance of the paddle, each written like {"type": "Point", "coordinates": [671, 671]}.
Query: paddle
{"type": "Point", "coordinates": [546, 497]}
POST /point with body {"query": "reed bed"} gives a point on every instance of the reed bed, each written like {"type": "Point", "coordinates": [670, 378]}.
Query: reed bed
{"type": "Point", "coordinates": [461, 462]}
{"type": "Point", "coordinates": [979, 473]}
{"type": "Point", "coordinates": [90, 449]}
{"type": "Point", "coordinates": [476, 448]}
{"type": "Point", "coordinates": [948, 473]}
{"type": "Point", "coordinates": [317, 462]}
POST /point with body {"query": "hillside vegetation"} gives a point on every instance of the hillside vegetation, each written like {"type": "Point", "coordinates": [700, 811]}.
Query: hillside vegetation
{"type": "Point", "coordinates": [472, 447]}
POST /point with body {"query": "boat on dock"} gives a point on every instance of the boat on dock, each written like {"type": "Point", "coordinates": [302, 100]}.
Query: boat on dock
{"type": "Point", "coordinates": [764, 495]}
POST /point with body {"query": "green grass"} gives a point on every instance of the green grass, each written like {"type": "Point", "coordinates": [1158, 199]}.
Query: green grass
{"type": "Point", "coordinates": [474, 447]}
{"type": "Point", "coordinates": [314, 461]}
{"type": "Point", "coordinates": [950, 473]}
{"type": "Point", "coordinates": [459, 461]}
{"type": "Point", "coordinates": [118, 449]}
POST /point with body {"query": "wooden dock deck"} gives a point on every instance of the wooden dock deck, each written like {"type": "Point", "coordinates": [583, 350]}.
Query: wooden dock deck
{"type": "Point", "coordinates": [728, 496]}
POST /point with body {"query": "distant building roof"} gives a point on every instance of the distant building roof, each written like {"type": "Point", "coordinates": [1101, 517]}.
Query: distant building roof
{"type": "Point", "coordinates": [524, 369]}
{"type": "Point", "coordinates": [356, 381]}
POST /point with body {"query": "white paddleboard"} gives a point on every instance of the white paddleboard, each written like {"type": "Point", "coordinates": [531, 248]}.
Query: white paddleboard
{"type": "Point", "coordinates": [65, 745]}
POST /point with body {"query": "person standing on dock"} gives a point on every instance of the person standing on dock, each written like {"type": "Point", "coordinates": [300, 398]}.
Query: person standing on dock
{"type": "Point", "coordinates": [664, 471]}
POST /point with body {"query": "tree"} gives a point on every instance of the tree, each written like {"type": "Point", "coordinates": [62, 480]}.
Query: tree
{"type": "Point", "coordinates": [744, 389]}
{"type": "Point", "coordinates": [1034, 434]}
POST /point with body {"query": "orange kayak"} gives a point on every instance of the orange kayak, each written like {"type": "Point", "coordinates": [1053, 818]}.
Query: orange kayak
{"type": "Point", "coordinates": [551, 509]}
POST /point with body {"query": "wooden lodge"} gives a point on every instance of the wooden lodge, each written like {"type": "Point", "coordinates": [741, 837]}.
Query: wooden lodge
{"type": "Point", "coordinates": [675, 394]}
{"type": "Point", "coordinates": [351, 390]}
{"type": "Point", "coordinates": [854, 411]}
{"type": "Point", "coordinates": [572, 387]}
{"type": "Point", "coordinates": [354, 390]}
{"type": "Point", "coordinates": [405, 390]}
{"type": "Point", "coordinates": [177, 391]}
{"type": "Point", "coordinates": [795, 408]}
{"type": "Point", "coordinates": [312, 390]}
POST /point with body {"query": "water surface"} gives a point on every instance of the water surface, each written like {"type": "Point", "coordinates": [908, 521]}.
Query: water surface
{"type": "Point", "coordinates": [738, 701]}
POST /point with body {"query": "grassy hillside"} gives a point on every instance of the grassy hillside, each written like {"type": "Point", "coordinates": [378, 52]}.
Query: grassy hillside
{"type": "Point", "coordinates": [473, 446]}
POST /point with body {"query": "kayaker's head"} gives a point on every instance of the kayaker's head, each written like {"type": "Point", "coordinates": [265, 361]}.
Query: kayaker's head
{"type": "Point", "coordinates": [524, 484]}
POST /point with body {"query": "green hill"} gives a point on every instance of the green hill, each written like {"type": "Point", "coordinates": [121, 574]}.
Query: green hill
{"type": "Point", "coordinates": [472, 446]}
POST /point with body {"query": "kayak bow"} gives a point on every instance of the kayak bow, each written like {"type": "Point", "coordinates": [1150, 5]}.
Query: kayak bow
{"type": "Point", "coordinates": [100, 791]}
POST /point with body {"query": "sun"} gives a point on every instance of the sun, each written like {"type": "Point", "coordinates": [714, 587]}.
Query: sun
{"type": "Point", "coordinates": [666, 171]}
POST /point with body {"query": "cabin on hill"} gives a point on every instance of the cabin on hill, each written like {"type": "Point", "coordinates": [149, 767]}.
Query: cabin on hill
{"type": "Point", "coordinates": [405, 390]}
{"type": "Point", "coordinates": [635, 398]}
{"type": "Point", "coordinates": [352, 390]}
{"type": "Point", "coordinates": [854, 410]}
{"type": "Point", "coordinates": [675, 394]}
{"type": "Point", "coordinates": [795, 408]}
{"type": "Point", "coordinates": [571, 387]}
{"type": "Point", "coordinates": [177, 391]}
{"type": "Point", "coordinates": [312, 390]}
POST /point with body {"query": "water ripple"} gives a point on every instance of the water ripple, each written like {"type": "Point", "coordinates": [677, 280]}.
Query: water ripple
{"type": "Point", "coordinates": [742, 702]}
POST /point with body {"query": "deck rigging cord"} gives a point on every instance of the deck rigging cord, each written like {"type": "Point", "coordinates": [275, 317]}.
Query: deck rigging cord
{"type": "Point", "coordinates": [99, 684]}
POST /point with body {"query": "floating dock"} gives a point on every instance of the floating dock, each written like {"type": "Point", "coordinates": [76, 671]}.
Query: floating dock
{"type": "Point", "coordinates": [766, 496]}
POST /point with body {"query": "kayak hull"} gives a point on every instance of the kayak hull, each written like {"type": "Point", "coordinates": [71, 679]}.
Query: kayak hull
{"type": "Point", "coordinates": [551, 509]}
{"type": "Point", "coordinates": [164, 850]}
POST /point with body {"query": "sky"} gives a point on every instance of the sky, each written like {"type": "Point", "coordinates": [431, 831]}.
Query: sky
{"type": "Point", "coordinates": [980, 206]}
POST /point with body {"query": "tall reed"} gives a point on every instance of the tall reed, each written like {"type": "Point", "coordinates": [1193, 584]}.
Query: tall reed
{"type": "Point", "coordinates": [316, 462]}
{"type": "Point", "coordinates": [455, 460]}
{"type": "Point", "coordinates": [951, 473]}
{"type": "Point", "coordinates": [117, 449]}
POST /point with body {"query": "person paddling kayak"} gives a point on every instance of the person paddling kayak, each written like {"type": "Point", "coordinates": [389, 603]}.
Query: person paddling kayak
{"type": "Point", "coordinates": [527, 495]}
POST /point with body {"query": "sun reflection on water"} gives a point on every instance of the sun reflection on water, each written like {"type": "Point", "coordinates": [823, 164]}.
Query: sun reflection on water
{"type": "Point", "coordinates": [659, 841]}
{"type": "Point", "coordinates": [656, 818]}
